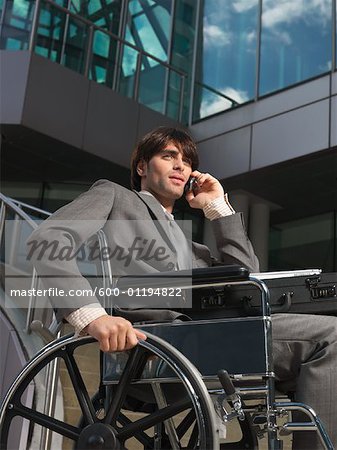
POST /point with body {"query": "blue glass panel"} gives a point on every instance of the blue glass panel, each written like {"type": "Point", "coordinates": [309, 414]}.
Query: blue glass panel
{"type": "Point", "coordinates": [226, 54]}
{"type": "Point", "coordinates": [183, 38]}
{"type": "Point", "coordinates": [148, 26]}
{"type": "Point", "coordinates": [127, 74]}
{"type": "Point", "coordinates": [17, 22]}
{"type": "Point", "coordinates": [295, 42]}
{"type": "Point", "coordinates": [173, 95]}
{"type": "Point", "coordinates": [152, 85]}
{"type": "Point", "coordinates": [50, 32]}
{"type": "Point", "coordinates": [75, 50]}
{"type": "Point", "coordinates": [103, 58]}
{"type": "Point", "coordinates": [208, 102]}
{"type": "Point", "coordinates": [105, 13]}
{"type": "Point", "coordinates": [20, 8]}
{"type": "Point", "coordinates": [150, 41]}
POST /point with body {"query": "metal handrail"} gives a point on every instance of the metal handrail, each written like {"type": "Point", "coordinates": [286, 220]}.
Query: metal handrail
{"type": "Point", "coordinates": [29, 207]}
{"type": "Point", "coordinates": [215, 91]}
{"type": "Point", "coordinates": [89, 52]}
{"type": "Point", "coordinates": [14, 206]}
{"type": "Point", "coordinates": [51, 376]}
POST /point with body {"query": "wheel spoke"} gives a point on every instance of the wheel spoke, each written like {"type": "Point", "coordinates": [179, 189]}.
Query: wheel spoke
{"type": "Point", "coordinates": [51, 423]}
{"type": "Point", "coordinates": [192, 442]}
{"type": "Point", "coordinates": [134, 365]}
{"type": "Point", "coordinates": [185, 424]}
{"type": "Point", "coordinates": [153, 418]}
{"type": "Point", "coordinates": [87, 408]}
{"type": "Point", "coordinates": [142, 437]}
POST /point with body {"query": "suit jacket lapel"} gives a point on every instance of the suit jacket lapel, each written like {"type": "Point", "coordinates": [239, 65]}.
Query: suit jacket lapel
{"type": "Point", "coordinates": [158, 216]}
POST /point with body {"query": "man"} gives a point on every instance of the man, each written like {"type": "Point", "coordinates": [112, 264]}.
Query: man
{"type": "Point", "coordinates": [305, 346]}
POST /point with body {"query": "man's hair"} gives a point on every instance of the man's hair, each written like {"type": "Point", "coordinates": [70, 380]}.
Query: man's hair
{"type": "Point", "coordinates": [154, 142]}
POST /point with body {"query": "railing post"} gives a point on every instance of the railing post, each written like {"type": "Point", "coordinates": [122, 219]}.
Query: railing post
{"type": "Point", "coordinates": [88, 56]}
{"type": "Point", "coordinates": [35, 22]}
{"type": "Point", "coordinates": [52, 374]}
{"type": "Point", "coordinates": [166, 88]}
{"type": "Point", "coordinates": [137, 76]}
{"type": "Point", "coordinates": [31, 304]}
{"type": "Point", "coordinates": [2, 218]}
{"type": "Point", "coordinates": [181, 98]}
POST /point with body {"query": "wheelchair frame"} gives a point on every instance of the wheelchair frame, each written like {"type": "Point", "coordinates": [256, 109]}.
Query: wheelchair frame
{"type": "Point", "coordinates": [234, 388]}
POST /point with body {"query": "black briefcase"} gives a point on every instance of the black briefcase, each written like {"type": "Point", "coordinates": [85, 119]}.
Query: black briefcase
{"type": "Point", "coordinates": [303, 291]}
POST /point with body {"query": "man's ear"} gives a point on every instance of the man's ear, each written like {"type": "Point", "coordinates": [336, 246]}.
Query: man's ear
{"type": "Point", "coordinates": [141, 168]}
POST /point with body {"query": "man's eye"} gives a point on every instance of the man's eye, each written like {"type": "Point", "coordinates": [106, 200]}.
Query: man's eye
{"type": "Point", "coordinates": [168, 156]}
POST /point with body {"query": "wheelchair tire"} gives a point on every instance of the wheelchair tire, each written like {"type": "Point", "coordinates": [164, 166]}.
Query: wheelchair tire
{"type": "Point", "coordinates": [191, 418]}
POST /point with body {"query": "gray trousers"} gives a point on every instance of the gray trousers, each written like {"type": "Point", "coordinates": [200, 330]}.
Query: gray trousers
{"type": "Point", "coordinates": [305, 361]}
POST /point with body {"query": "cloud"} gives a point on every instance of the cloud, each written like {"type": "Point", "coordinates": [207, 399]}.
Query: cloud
{"type": "Point", "coordinates": [276, 12]}
{"type": "Point", "coordinates": [244, 5]}
{"type": "Point", "coordinates": [212, 105]}
{"type": "Point", "coordinates": [326, 67]}
{"type": "Point", "coordinates": [215, 36]}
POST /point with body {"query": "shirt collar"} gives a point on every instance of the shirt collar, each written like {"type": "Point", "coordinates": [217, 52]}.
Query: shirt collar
{"type": "Point", "coordinates": [169, 215]}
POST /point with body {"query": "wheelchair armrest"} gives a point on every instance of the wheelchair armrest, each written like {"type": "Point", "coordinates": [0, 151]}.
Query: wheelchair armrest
{"type": "Point", "coordinates": [183, 278]}
{"type": "Point", "coordinates": [204, 275]}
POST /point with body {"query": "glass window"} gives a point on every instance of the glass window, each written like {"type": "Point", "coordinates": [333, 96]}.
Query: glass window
{"type": "Point", "coordinates": [75, 49]}
{"type": "Point", "coordinates": [226, 55]}
{"type": "Point", "coordinates": [295, 42]}
{"type": "Point", "coordinates": [303, 244]}
{"type": "Point", "coordinates": [103, 58]}
{"type": "Point", "coordinates": [51, 24]}
{"type": "Point", "coordinates": [183, 37]}
{"type": "Point", "coordinates": [152, 85]}
{"type": "Point", "coordinates": [105, 13]}
{"type": "Point", "coordinates": [17, 22]}
{"type": "Point", "coordinates": [148, 27]}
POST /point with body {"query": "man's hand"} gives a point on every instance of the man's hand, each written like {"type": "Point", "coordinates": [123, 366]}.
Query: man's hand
{"type": "Point", "coordinates": [114, 333]}
{"type": "Point", "coordinates": [208, 189]}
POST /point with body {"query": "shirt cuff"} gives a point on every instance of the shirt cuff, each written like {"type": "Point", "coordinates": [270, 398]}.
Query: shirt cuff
{"type": "Point", "coordinates": [219, 207]}
{"type": "Point", "coordinates": [81, 317]}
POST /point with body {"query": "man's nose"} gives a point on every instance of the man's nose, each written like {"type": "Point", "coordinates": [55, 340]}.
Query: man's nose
{"type": "Point", "coordinates": [179, 164]}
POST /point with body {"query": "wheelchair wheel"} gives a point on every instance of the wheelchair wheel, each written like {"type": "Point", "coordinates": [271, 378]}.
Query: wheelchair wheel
{"type": "Point", "coordinates": [166, 423]}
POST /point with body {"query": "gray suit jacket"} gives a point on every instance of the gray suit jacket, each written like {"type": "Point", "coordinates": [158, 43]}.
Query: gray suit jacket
{"type": "Point", "coordinates": [119, 211]}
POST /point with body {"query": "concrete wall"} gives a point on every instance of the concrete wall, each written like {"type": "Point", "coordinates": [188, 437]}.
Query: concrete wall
{"type": "Point", "coordinates": [48, 98]}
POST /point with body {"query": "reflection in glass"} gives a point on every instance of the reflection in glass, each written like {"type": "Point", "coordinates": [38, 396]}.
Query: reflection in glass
{"type": "Point", "coordinates": [51, 23]}
{"type": "Point", "coordinates": [175, 85]}
{"type": "Point", "coordinates": [148, 26]}
{"type": "Point", "coordinates": [128, 70]}
{"type": "Point", "coordinates": [152, 84]}
{"type": "Point", "coordinates": [104, 13]}
{"type": "Point", "coordinates": [103, 58]}
{"type": "Point", "coordinates": [226, 54]}
{"type": "Point", "coordinates": [295, 42]}
{"type": "Point", "coordinates": [183, 37]}
{"type": "Point", "coordinates": [76, 45]}
{"type": "Point", "coordinates": [16, 25]}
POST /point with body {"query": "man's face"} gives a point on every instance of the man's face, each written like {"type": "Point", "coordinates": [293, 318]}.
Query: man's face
{"type": "Point", "coordinates": [165, 175]}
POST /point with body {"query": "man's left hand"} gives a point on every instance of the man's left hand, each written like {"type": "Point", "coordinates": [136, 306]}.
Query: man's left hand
{"type": "Point", "coordinates": [207, 188]}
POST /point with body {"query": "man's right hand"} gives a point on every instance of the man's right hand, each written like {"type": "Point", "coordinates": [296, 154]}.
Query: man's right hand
{"type": "Point", "coordinates": [114, 333]}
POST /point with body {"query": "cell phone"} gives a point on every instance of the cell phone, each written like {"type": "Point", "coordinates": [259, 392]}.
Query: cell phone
{"type": "Point", "coordinates": [190, 185]}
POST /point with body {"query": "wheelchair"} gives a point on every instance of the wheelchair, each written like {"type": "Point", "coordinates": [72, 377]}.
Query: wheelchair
{"type": "Point", "coordinates": [176, 390]}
